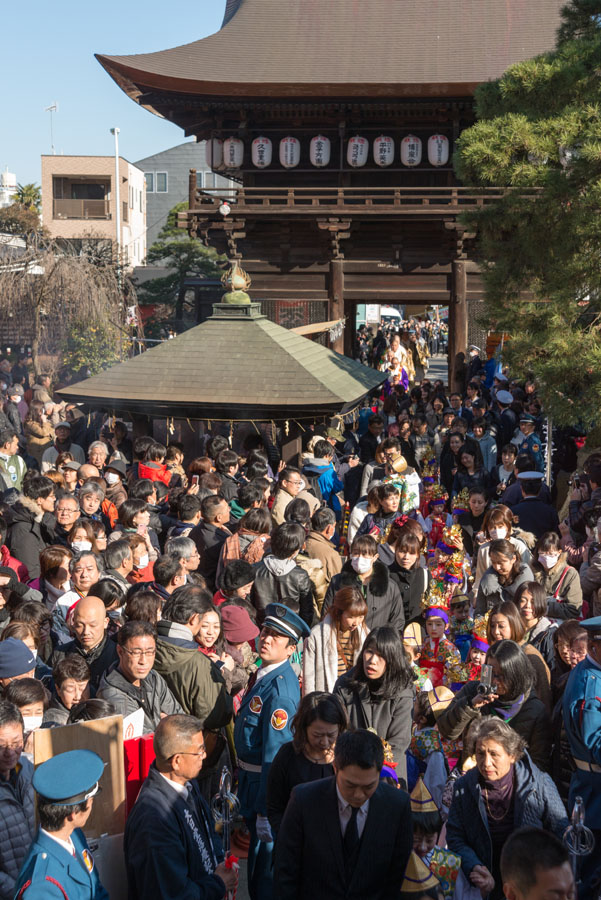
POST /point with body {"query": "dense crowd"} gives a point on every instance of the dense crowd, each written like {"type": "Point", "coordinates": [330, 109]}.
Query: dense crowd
{"type": "Point", "coordinates": [394, 645]}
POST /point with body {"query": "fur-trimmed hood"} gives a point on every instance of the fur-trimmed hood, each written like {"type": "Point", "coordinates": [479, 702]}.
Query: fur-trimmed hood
{"type": "Point", "coordinates": [378, 583]}
{"type": "Point", "coordinates": [26, 510]}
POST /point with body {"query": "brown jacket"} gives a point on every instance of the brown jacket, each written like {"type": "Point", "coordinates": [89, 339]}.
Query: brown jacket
{"type": "Point", "coordinates": [319, 547]}
{"type": "Point", "coordinates": [39, 437]}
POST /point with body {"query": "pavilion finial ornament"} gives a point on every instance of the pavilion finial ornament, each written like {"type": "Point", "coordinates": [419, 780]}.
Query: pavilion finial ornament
{"type": "Point", "coordinates": [236, 281]}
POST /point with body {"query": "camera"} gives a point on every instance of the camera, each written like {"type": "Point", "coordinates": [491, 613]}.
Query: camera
{"type": "Point", "coordinates": [485, 685]}
{"type": "Point", "coordinates": [574, 481]}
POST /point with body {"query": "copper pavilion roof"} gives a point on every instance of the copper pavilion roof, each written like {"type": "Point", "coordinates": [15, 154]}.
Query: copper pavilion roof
{"type": "Point", "coordinates": [346, 48]}
{"type": "Point", "coordinates": [238, 364]}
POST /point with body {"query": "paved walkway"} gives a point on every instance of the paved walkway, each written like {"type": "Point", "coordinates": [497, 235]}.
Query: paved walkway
{"type": "Point", "coordinates": [438, 367]}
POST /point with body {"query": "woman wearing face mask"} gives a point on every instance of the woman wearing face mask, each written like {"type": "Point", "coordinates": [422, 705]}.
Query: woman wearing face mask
{"type": "Point", "coordinates": [560, 581]}
{"type": "Point", "coordinates": [334, 644]}
{"type": "Point", "coordinates": [531, 601]}
{"type": "Point", "coordinates": [114, 474]}
{"type": "Point", "coordinates": [365, 571]}
{"type": "Point", "coordinates": [32, 700]}
{"type": "Point", "coordinates": [378, 692]}
{"type": "Point", "coordinates": [81, 537]}
{"type": "Point", "coordinates": [506, 624]}
{"type": "Point", "coordinates": [411, 578]}
{"type": "Point", "coordinates": [319, 720]}
{"type": "Point", "coordinates": [499, 524]}
{"type": "Point", "coordinates": [143, 570]}
{"type": "Point", "coordinates": [503, 577]}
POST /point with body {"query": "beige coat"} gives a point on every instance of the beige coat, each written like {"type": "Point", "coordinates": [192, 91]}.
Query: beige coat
{"type": "Point", "coordinates": [319, 547]}
{"type": "Point", "coordinates": [283, 498]}
{"type": "Point", "coordinates": [39, 437]}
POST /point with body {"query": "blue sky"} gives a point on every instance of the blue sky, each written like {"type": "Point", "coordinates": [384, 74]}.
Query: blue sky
{"type": "Point", "coordinates": [48, 55]}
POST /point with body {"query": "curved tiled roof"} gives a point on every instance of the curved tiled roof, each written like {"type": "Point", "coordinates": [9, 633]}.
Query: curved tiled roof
{"type": "Point", "coordinates": [342, 48]}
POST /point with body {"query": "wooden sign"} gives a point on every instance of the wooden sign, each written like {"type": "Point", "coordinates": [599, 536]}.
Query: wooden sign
{"type": "Point", "coordinates": [104, 737]}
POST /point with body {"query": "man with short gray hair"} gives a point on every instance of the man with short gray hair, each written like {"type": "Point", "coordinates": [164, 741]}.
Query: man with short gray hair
{"type": "Point", "coordinates": [171, 847]}
{"type": "Point", "coordinates": [184, 549]}
{"type": "Point", "coordinates": [119, 561]}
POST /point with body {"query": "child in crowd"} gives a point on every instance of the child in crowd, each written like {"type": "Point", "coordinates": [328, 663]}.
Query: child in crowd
{"type": "Point", "coordinates": [438, 654]}
{"type": "Point", "coordinates": [461, 625]}
{"type": "Point", "coordinates": [419, 883]}
{"type": "Point", "coordinates": [427, 751]}
{"type": "Point", "coordinates": [427, 825]}
{"type": "Point", "coordinates": [413, 639]}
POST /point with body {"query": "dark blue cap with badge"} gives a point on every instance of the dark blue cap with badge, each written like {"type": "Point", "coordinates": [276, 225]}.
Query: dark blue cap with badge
{"type": "Point", "coordinates": [593, 624]}
{"type": "Point", "coordinates": [70, 777]}
{"type": "Point", "coordinates": [281, 619]}
{"type": "Point", "coordinates": [530, 476]}
{"type": "Point", "coordinates": [526, 417]}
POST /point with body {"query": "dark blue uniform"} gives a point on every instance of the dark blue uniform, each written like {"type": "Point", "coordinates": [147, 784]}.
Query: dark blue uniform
{"type": "Point", "coordinates": [533, 446]}
{"type": "Point", "coordinates": [50, 872]}
{"type": "Point", "coordinates": [262, 727]}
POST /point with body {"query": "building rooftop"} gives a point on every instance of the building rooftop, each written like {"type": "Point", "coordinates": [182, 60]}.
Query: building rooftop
{"type": "Point", "coordinates": [339, 48]}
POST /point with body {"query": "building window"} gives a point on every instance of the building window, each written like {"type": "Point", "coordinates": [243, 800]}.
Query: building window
{"type": "Point", "coordinates": [199, 183]}
{"type": "Point", "coordinates": [161, 182]}
{"type": "Point", "coordinates": [210, 181]}
{"type": "Point", "coordinates": [149, 178]}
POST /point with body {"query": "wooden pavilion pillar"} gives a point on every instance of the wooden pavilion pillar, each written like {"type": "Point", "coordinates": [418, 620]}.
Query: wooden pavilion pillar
{"type": "Point", "coordinates": [458, 325]}
{"type": "Point", "coordinates": [336, 295]}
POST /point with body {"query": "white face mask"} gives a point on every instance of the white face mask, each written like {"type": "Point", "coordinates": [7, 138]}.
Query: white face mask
{"type": "Point", "coordinates": [35, 653]}
{"type": "Point", "coordinates": [80, 546]}
{"type": "Point", "coordinates": [111, 477]}
{"type": "Point", "coordinates": [144, 560]}
{"type": "Point", "coordinates": [32, 723]}
{"type": "Point", "coordinates": [361, 564]}
{"type": "Point", "coordinates": [548, 560]}
{"type": "Point", "coordinates": [497, 534]}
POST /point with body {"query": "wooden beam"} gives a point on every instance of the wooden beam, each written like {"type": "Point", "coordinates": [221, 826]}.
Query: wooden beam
{"type": "Point", "coordinates": [336, 295]}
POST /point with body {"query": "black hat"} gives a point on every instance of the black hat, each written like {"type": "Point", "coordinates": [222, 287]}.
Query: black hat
{"type": "Point", "coordinates": [118, 466]}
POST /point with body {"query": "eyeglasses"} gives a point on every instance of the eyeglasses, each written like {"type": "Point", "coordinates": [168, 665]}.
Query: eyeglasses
{"type": "Point", "coordinates": [14, 747]}
{"type": "Point", "coordinates": [295, 483]}
{"type": "Point", "coordinates": [67, 509]}
{"type": "Point", "coordinates": [140, 654]}
{"type": "Point", "coordinates": [202, 753]}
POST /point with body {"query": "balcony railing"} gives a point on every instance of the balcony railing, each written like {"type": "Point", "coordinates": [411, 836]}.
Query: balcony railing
{"type": "Point", "coordinates": [81, 209]}
{"type": "Point", "coordinates": [303, 201]}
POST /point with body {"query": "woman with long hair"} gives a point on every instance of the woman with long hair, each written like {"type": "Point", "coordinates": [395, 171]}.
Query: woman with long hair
{"type": "Point", "coordinates": [470, 471]}
{"type": "Point", "coordinates": [319, 720]}
{"type": "Point", "coordinates": [506, 624]}
{"type": "Point", "coordinates": [503, 577]}
{"type": "Point", "coordinates": [531, 601]}
{"type": "Point", "coordinates": [334, 644]}
{"type": "Point", "coordinates": [411, 578]}
{"type": "Point", "coordinates": [560, 581]}
{"type": "Point", "coordinates": [499, 524]}
{"type": "Point", "coordinates": [378, 692]}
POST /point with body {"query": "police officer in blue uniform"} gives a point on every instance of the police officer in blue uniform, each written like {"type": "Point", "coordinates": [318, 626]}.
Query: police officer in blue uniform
{"type": "Point", "coordinates": [59, 863]}
{"type": "Point", "coordinates": [532, 445]}
{"type": "Point", "coordinates": [262, 726]}
{"type": "Point", "coordinates": [582, 720]}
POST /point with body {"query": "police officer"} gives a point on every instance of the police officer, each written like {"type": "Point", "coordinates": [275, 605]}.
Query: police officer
{"type": "Point", "coordinates": [532, 443]}
{"type": "Point", "coordinates": [59, 863]}
{"type": "Point", "coordinates": [262, 726]}
{"type": "Point", "coordinates": [582, 719]}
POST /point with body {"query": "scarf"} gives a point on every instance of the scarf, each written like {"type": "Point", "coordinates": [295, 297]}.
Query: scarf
{"type": "Point", "coordinates": [508, 709]}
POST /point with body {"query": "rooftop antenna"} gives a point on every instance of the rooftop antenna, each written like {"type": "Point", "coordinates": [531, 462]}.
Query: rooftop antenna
{"type": "Point", "coordinates": [52, 109]}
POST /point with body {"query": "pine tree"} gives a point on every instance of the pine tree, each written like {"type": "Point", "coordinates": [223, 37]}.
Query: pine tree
{"type": "Point", "coordinates": [538, 132]}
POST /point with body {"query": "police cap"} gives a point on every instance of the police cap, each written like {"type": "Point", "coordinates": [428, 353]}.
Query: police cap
{"type": "Point", "coordinates": [283, 620]}
{"type": "Point", "coordinates": [530, 476]}
{"type": "Point", "coordinates": [593, 626]}
{"type": "Point", "coordinates": [70, 777]}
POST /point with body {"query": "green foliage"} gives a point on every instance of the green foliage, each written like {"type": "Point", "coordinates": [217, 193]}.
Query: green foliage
{"type": "Point", "coordinates": [30, 196]}
{"type": "Point", "coordinates": [19, 220]}
{"type": "Point", "coordinates": [94, 347]}
{"type": "Point", "coordinates": [539, 133]}
{"type": "Point", "coordinates": [182, 256]}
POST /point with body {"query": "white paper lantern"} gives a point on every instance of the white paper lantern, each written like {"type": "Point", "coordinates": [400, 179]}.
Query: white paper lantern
{"type": "Point", "coordinates": [384, 151]}
{"type": "Point", "coordinates": [214, 153]}
{"type": "Point", "coordinates": [233, 153]}
{"type": "Point", "coordinates": [289, 152]}
{"type": "Point", "coordinates": [357, 151]}
{"type": "Point", "coordinates": [411, 150]}
{"type": "Point", "coordinates": [438, 150]}
{"type": "Point", "coordinates": [262, 151]}
{"type": "Point", "coordinates": [320, 151]}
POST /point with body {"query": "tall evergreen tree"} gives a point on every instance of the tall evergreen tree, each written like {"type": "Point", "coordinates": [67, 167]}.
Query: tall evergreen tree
{"type": "Point", "coordinates": [538, 132]}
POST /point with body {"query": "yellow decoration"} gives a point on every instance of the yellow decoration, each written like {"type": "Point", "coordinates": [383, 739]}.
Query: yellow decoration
{"type": "Point", "coordinates": [418, 877]}
{"type": "Point", "coordinates": [421, 798]}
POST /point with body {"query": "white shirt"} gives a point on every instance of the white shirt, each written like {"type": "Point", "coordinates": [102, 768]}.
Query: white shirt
{"type": "Point", "coordinates": [67, 845]}
{"type": "Point", "coordinates": [265, 670]}
{"type": "Point", "coordinates": [345, 811]}
{"type": "Point", "coordinates": [179, 788]}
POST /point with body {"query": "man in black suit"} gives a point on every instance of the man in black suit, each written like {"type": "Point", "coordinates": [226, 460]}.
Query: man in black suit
{"type": "Point", "coordinates": [533, 513]}
{"type": "Point", "coordinates": [348, 837]}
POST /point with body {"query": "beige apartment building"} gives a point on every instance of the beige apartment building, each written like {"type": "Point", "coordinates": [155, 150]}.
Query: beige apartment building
{"type": "Point", "coordinates": [79, 201]}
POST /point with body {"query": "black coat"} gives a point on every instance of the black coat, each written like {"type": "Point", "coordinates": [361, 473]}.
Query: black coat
{"type": "Point", "coordinates": [383, 598]}
{"type": "Point", "coordinates": [209, 540]}
{"type": "Point", "coordinates": [29, 534]}
{"type": "Point", "coordinates": [99, 659]}
{"type": "Point", "coordinates": [309, 856]}
{"type": "Point", "coordinates": [536, 516]}
{"type": "Point", "coordinates": [293, 590]}
{"type": "Point", "coordinates": [391, 719]}
{"type": "Point", "coordinates": [171, 848]}
{"type": "Point", "coordinates": [412, 585]}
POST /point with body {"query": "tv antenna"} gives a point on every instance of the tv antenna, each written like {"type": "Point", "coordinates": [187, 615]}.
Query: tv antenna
{"type": "Point", "coordinates": [52, 109]}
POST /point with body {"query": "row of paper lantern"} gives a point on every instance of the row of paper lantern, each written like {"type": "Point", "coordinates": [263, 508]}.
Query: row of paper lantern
{"type": "Point", "coordinates": [230, 153]}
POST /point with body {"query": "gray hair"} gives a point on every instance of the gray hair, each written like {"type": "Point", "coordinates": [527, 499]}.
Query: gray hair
{"type": "Point", "coordinates": [90, 487]}
{"type": "Point", "coordinates": [180, 547]}
{"type": "Point", "coordinates": [73, 562]}
{"type": "Point", "coordinates": [116, 553]}
{"type": "Point", "coordinates": [98, 444]}
{"type": "Point", "coordinates": [494, 729]}
{"type": "Point", "coordinates": [173, 735]}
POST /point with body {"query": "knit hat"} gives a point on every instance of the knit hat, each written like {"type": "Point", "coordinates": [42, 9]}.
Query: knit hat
{"type": "Point", "coordinates": [418, 877]}
{"type": "Point", "coordinates": [421, 798]}
{"type": "Point", "coordinates": [439, 698]}
{"type": "Point", "coordinates": [237, 625]}
{"type": "Point", "coordinates": [236, 575]}
{"type": "Point", "coordinates": [16, 390]}
{"type": "Point", "coordinates": [117, 465]}
{"type": "Point", "coordinates": [15, 658]}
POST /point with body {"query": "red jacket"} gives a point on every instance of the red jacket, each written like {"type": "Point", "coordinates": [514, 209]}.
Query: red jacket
{"type": "Point", "coordinates": [154, 472]}
{"type": "Point", "coordinates": [16, 565]}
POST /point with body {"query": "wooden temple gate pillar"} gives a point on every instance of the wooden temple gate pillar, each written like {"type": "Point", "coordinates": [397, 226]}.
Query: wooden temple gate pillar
{"type": "Point", "coordinates": [457, 325]}
{"type": "Point", "coordinates": [336, 295]}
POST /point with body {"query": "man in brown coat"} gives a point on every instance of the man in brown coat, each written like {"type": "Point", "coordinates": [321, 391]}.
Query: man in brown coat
{"type": "Point", "coordinates": [319, 542]}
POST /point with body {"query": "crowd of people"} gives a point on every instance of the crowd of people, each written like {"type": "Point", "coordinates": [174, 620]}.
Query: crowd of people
{"type": "Point", "coordinates": [394, 645]}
